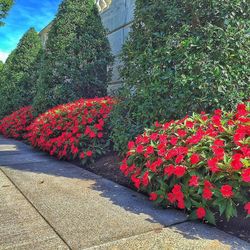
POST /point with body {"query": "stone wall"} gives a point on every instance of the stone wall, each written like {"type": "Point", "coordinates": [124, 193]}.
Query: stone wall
{"type": "Point", "coordinates": [117, 17]}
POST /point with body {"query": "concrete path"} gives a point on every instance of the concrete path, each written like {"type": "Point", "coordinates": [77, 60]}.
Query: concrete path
{"type": "Point", "coordinates": [49, 204]}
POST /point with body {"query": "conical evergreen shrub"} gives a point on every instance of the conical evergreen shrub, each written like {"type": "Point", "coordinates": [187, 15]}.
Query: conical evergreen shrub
{"type": "Point", "coordinates": [76, 56]}
{"type": "Point", "coordinates": [182, 56]}
{"type": "Point", "coordinates": [17, 76]}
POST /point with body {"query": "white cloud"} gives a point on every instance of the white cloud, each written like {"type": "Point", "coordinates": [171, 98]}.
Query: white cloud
{"type": "Point", "coordinates": [3, 56]}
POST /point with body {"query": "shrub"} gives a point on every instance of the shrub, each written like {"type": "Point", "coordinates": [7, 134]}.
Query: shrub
{"type": "Point", "coordinates": [15, 125]}
{"type": "Point", "coordinates": [16, 80]}
{"type": "Point", "coordinates": [76, 56]}
{"type": "Point", "coordinates": [182, 56]}
{"type": "Point", "coordinates": [74, 130]}
{"type": "Point", "coordinates": [199, 163]}
{"type": "Point", "coordinates": [5, 6]}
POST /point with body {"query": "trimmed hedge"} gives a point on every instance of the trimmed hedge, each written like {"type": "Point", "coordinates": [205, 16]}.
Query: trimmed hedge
{"type": "Point", "coordinates": [17, 75]}
{"type": "Point", "coordinates": [182, 56]}
{"type": "Point", "coordinates": [5, 6]}
{"type": "Point", "coordinates": [76, 130]}
{"type": "Point", "coordinates": [15, 125]}
{"type": "Point", "coordinates": [76, 57]}
{"type": "Point", "coordinates": [199, 163]}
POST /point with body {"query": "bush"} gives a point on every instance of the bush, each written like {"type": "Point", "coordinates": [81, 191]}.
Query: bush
{"type": "Point", "coordinates": [74, 130]}
{"type": "Point", "coordinates": [16, 79]}
{"type": "Point", "coordinates": [5, 6]}
{"type": "Point", "coordinates": [76, 57]}
{"type": "Point", "coordinates": [15, 125]}
{"type": "Point", "coordinates": [200, 163]}
{"type": "Point", "coordinates": [182, 57]}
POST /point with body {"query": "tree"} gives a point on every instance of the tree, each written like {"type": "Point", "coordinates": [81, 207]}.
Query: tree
{"type": "Point", "coordinates": [182, 56]}
{"type": "Point", "coordinates": [1, 65]}
{"type": "Point", "coordinates": [17, 80]}
{"type": "Point", "coordinates": [76, 56]}
{"type": "Point", "coordinates": [5, 6]}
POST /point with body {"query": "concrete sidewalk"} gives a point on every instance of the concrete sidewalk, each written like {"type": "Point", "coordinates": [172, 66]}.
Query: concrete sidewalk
{"type": "Point", "coordinates": [49, 204]}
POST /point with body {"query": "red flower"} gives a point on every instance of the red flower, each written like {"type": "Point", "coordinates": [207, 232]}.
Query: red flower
{"type": "Point", "coordinates": [193, 182]}
{"type": "Point", "coordinates": [99, 134]}
{"type": "Point", "coordinates": [131, 145]}
{"type": "Point", "coordinates": [213, 165]}
{"type": "Point", "coordinates": [179, 159]}
{"type": "Point", "coordinates": [226, 191]}
{"type": "Point", "coordinates": [169, 170]}
{"type": "Point", "coordinates": [181, 132]}
{"type": "Point", "coordinates": [236, 162]}
{"type": "Point", "coordinates": [195, 158]}
{"type": "Point", "coordinates": [154, 136]}
{"type": "Point", "coordinates": [219, 143]}
{"type": "Point", "coordinates": [246, 175]}
{"type": "Point", "coordinates": [207, 194]}
{"type": "Point", "coordinates": [145, 180]}
{"type": "Point", "coordinates": [247, 207]}
{"type": "Point", "coordinates": [139, 149]}
{"type": "Point", "coordinates": [180, 171]}
{"type": "Point", "coordinates": [171, 197]}
{"type": "Point", "coordinates": [201, 213]}
{"type": "Point", "coordinates": [153, 196]}
{"type": "Point", "coordinates": [136, 181]}
{"type": "Point", "coordinates": [174, 140]}
{"type": "Point", "coordinates": [150, 150]}
{"type": "Point", "coordinates": [189, 124]}
{"type": "Point", "coordinates": [241, 110]}
{"type": "Point", "coordinates": [82, 155]}
{"type": "Point", "coordinates": [89, 153]}
{"type": "Point", "coordinates": [181, 204]}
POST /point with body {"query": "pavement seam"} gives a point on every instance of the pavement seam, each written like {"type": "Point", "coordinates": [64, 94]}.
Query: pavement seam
{"type": "Point", "coordinates": [124, 238]}
{"type": "Point", "coordinates": [57, 233]}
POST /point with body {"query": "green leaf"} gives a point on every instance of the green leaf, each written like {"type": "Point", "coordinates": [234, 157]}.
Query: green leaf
{"type": "Point", "coordinates": [210, 217]}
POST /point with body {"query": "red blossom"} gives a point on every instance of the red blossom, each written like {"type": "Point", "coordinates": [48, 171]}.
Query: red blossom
{"type": "Point", "coordinates": [246, 175]}
{"type": "Point", "coordinates": [207, 194]}
{"type": "Point", "coordinates": [201, 213]}
{"type": "Point", "coordinates": [180, 171]}
{"type": "Point", "coordinates": [194, 159]}
{"type": "Point", "coordinates": [227, 191]}
{"type": "Point", "coordinates": [194, 181]}
{"type": "Point", "coordinates": [89, 153]}
{"type": "Point", "coordinates": [139, 149]}
{"type": "Point", "coordinates": [247, 207]}
{"type": "Point", "coordinates": [153, 196]}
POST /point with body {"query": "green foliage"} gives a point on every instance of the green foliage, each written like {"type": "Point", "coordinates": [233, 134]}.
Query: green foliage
{"type": "Point", "coordinates": [1, 65]}
{"type": "Point", "coordinates": [5, 6]}
{"type": "Point", "coordinates": [200, 163]}
{"type": "Point", "coordinates": [76, 56]}
{"type": "Point", "coordinates": [182, 56]}
{"type": "Point", "coordinates": [17, 76]}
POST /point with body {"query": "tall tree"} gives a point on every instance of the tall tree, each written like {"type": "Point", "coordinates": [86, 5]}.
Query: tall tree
{"type": "Point", "coordinates": [182, 56]}
{"type": "Point", "coordinates": [76, 56]}
{"type": "Point", "coordinates": [17, 77]}
{"type": "Point", "coordinates": [1, 65]}
{"type": "Point", "coordinates": [5, 6]}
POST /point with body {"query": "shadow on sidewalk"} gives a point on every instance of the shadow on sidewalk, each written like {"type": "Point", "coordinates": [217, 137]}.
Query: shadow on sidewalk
{"type": "Point", "coordinates": [119, 195]}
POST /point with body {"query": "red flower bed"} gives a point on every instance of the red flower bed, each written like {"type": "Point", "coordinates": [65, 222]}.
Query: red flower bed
{"type": "Point", "coordinates": [200, 163]}
{"type": "Point", "coordinates": [73, 130]}
{"type": "Point", "coordinates": [15, 125]}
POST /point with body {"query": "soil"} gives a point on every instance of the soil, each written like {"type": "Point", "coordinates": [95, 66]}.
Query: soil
{"type": "Point", "coordinates": [108, 167]}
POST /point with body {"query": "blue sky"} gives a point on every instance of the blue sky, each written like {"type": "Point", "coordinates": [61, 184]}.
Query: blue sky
{"type": "Point", "coordinates": [23, 15]}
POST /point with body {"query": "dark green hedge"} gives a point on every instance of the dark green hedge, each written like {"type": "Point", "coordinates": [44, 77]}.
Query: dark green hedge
{"type": "Point", "coordinates": [17, 76]}
{"type": "Point", "coordinates": [182, 56]}
{"type": "Point", "coordinates": [76, 56]}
